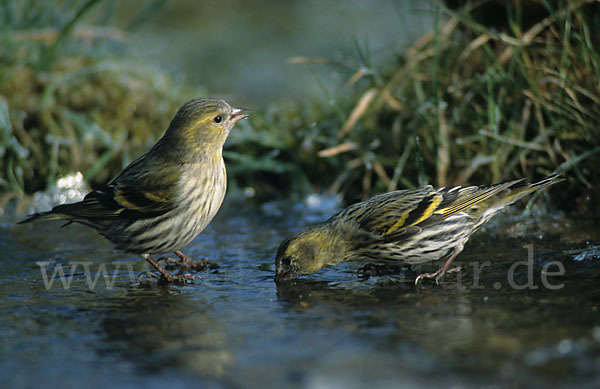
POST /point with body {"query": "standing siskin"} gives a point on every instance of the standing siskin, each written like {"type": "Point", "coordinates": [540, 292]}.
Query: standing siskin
{"type": "Point", "coordinates": [166, 197]}
{"type": "Point", "coordinates": [407, 226]}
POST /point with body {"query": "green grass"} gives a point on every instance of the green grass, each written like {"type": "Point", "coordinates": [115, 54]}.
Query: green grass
{"type": "Point", "coordinates": [465, 104]}
{"type": "Point", "coordinates": [70, 100]}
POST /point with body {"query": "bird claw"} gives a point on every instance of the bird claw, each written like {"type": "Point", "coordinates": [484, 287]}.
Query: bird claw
{"type": "Point", "coordinates": [454, 270]}
{"type": "Point", "coordinates": [437, 275]}
{"type": "Point", "coordinates": [181, 278]}
{"type": "Point", "coordinates": [149, 275]}
{"type": "Point", "coordinates": [190, 264]}
{"type": "Point", "coordinates": [170, 263]}
{"type": "Point", "coordinates": [198, 265]}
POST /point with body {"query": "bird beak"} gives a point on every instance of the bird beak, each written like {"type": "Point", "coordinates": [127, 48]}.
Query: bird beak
{"type": "Point", "coordinates": [282, 277]}
{"type": "Point", "coordinates": [239, 114]}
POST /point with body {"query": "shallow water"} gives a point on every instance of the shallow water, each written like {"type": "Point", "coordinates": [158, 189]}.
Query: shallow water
{"type": "Point", "coordinates": [235, 327]}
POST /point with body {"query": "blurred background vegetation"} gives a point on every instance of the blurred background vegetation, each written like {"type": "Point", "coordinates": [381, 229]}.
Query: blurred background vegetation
{"type": "Point", "coordinates": [353, 98]}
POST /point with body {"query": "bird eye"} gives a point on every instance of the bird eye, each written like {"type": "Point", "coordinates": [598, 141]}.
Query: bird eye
{"type": "Point", "coordinates": [286, 261]}
{"type": "Point", "coordinates": [218, 119]}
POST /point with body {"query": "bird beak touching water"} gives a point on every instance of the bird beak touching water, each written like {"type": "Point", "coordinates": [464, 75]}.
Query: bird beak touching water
{"type": "Point", "coordinates": [283, 277]}
{"type": "Point", "coordinates": [239, 114]}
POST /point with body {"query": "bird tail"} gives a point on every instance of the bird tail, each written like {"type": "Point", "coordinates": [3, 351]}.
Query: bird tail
{"type": "Point", "coordinates": [54, 214]}
{"type": "Point", "coordinates": [521, 189]}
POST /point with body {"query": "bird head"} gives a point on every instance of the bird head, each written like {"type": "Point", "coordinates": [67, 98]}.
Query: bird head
{"type": "Point", "coordinates": [203, 124]}
{"type": "Point", "coordinates": [302, 253]}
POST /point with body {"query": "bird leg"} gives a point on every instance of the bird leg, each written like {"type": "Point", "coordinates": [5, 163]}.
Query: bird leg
{"type": "Point", "coordinates": [441, 271]}
{"type": "Point", "coordinates": [181, 278]}
{"type": "Point", "coordinates": [169, 277]}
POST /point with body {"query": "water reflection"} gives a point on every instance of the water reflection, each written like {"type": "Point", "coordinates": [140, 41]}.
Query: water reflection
{"type": "Point", "coordinates": [166, 330]}
{"type": "Point", "coordinates": [516, 336]}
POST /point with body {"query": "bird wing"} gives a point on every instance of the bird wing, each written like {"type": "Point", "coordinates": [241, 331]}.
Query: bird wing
{"type": "Point", "coordinates": [394, 215]}
{"type": "Point", "coordinates": [145, 202]}
{"type": "Point", "coordinates": [142, 190]}
{"type": "Point", "coordinates": [460, 198]}
{"type": "Point", "coordinates": [146, 187]}
{"type": "Point", "coordinates": [397, 215]}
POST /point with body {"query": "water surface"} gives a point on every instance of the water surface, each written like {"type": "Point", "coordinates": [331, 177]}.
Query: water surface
{"type": "Point", "coordinates": [235, 327]}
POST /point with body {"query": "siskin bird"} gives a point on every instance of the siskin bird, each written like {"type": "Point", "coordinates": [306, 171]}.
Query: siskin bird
{"type": "Point", "coordinates": [167, 196]}
{"type": "Point", "coordinates": [406, 226]}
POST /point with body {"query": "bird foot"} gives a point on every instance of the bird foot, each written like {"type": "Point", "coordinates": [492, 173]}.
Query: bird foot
{"type": "Point", "coordinates": [170, 263]}
{"type": "Point", "coordinates": [437, 275]}
{"type": "Point", "coordinates": [187, 263]}
{"type": "Point", "coordinates": [193, 265]}
{"type": "Point", "coordinates": [442, 270]}
{"type": "Point", "coordinates": [181, 278]}
{"type": "Point", "coordinates": [166, 277]}
{"type": "Point", "coordinates": [149, 275]}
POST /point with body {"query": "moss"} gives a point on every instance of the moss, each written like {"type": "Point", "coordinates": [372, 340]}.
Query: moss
{"type": "Point", "coordinates": [86, 109]}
